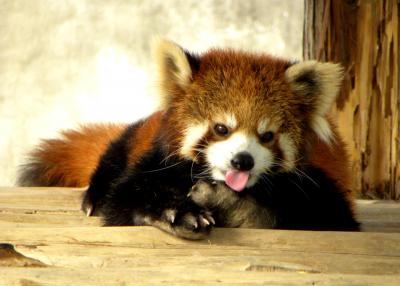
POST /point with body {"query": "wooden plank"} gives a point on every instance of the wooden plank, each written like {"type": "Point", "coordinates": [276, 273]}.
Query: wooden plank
{"type": "Point", "coordinates": [241, 254]}
{"type": "Point", "coordinates": [45, 219]}
{"type": "Point", "coordinates": [148, 237]}
{"type": "Point", "coordinates": [53, 199]}
{"type": "Point", "coordinates": [55, 244]}
{"type": "Point", "coordinates": [297, 246]}
{"type": "Point", "coordinates": [182, 276]}
{"type": "Point", "coordinates": [55, 206]}
{"type": "Point", "coordinates": [379, 216]}
{"type": "Point", "coordinates": [239, 258]}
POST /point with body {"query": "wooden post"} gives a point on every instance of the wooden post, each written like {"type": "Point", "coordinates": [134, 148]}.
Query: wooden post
{"type": "Point", "coordinates": [364, 36]}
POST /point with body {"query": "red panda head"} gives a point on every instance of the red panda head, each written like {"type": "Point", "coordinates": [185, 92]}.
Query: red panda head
{"type": "Point", "coordinates": [244, 114]}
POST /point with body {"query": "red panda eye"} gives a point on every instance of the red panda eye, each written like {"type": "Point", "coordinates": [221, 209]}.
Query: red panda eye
{"type": "Point", "coordinates": [221, 130]}
{"type": "Point", "coordinates": [267, 136]}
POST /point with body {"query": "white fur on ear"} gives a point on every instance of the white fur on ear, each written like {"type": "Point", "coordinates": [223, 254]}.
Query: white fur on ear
{"type": "Point", "coordinates": [173, 67]}
{"type": "Point", "coordinates": [318, 84]}
{"type": "Point", "coordinates": [322, 128]}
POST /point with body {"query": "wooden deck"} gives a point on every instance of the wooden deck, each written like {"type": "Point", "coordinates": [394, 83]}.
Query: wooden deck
{"type": "Point", "coordinates": [46, 240]}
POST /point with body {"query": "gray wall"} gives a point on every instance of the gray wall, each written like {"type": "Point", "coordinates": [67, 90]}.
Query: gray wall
{"type": "Point", "coordinates": [67, 62]}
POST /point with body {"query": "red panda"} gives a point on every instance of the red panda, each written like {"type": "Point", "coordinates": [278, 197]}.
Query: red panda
{"type": "Point", "coordinates": [241, 140]}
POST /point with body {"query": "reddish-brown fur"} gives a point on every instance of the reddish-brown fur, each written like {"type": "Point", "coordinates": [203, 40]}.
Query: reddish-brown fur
{"type": "Point", "coordinates": [142, 140]}
{"type": "Point", "coordinates": [334, 161]}
{"type": "Point", "coordinates": [238, 82]}
{"type": "Point", "coordinates": [71, 160]}
{"type": "Point", "coordinates": [79, 152]}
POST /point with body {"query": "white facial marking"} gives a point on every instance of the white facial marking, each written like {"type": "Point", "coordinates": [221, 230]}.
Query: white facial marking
{"type": "Point", "coordinates": [220, 154]}
{"type": "Point", "coordinates": [289, 151]}
{"type": "Point", "coordinates": [266, 125]}
{"type": "Point", "coordinates": [231, 121]}
{"type": "Point", "coordinates": [228, 119]}
{"type": "Point", "coordinates": [262, 126]}
{"type": "Point", "coordinates": [192, 136]}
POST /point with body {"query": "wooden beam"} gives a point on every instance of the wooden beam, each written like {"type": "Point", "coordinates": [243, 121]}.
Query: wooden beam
{"type": "Point", "coordinates": [364, 37]}
{"type": "Point", "coordinates": [46, 240]}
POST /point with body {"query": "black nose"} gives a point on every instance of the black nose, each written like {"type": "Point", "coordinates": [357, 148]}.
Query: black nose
{"type": "Point", "coordinates": [243, 161]}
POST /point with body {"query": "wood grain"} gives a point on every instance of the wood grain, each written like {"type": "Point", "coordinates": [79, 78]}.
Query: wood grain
{"type": "Point", "coordinates": [46, 240]}
{"type": "Point", "coordinates": [364, 37]}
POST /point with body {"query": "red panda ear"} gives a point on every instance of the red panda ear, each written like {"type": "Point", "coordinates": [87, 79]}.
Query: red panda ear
{"type": "Point", "coordinates": [174, 68]}
{"type": "Point", "coordinates": [318, 84]}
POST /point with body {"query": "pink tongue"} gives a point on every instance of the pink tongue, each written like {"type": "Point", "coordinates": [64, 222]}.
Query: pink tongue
{"type": "Point", "coordinates": [236, 180]}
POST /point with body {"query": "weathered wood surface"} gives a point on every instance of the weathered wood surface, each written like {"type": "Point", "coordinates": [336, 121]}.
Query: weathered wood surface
{"type": "Point", "coordinates": [48, 241]}
{"type": "Point", "coordinates": [364, 37]}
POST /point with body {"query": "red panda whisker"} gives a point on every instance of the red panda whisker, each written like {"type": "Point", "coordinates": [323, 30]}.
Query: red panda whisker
{"type": "Point", "coordinates": [201, 177]}
{"type": "Point", "coordinates": [169, 156]}
{"type": "Point", "coordinates": [274, 164]}
{"type": "Point", "coordinates": [202, 145]}
{"type": "Point", "coordinates": [161, 169]}
{"type": "Point", "coordinates": [304, 174]}
{"type": "Point", "coordinates": [294, 161]}
{"type": "Point", "coordinates": [296, 170]}
{"type": "Point", "coordinates": [191, 167]}
{"type": "Point", "coordinates": [300, 189]}
{"type": "Point", "coordinates": [299, 175]}
{"type": "Point", "coordinates": [205, 171]}
{"type": "Point", "coordinates": [268, 182]}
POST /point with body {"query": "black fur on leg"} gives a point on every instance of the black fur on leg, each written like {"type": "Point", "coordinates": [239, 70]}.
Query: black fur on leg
{"type": "Point", "coordinates": [309, 202]}
{"type": "Point", "coordinates": [284, 201]}
{"type": "Point", "coordinates": [112, 165]}
{"type": "Point", "coordinates": [152, 192]}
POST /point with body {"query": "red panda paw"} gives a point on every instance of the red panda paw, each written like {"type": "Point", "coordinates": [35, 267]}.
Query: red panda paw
{"type": "Point", "coordinates": [213, 195]}
{"type": "Point", "coordinates": [190, 224]}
